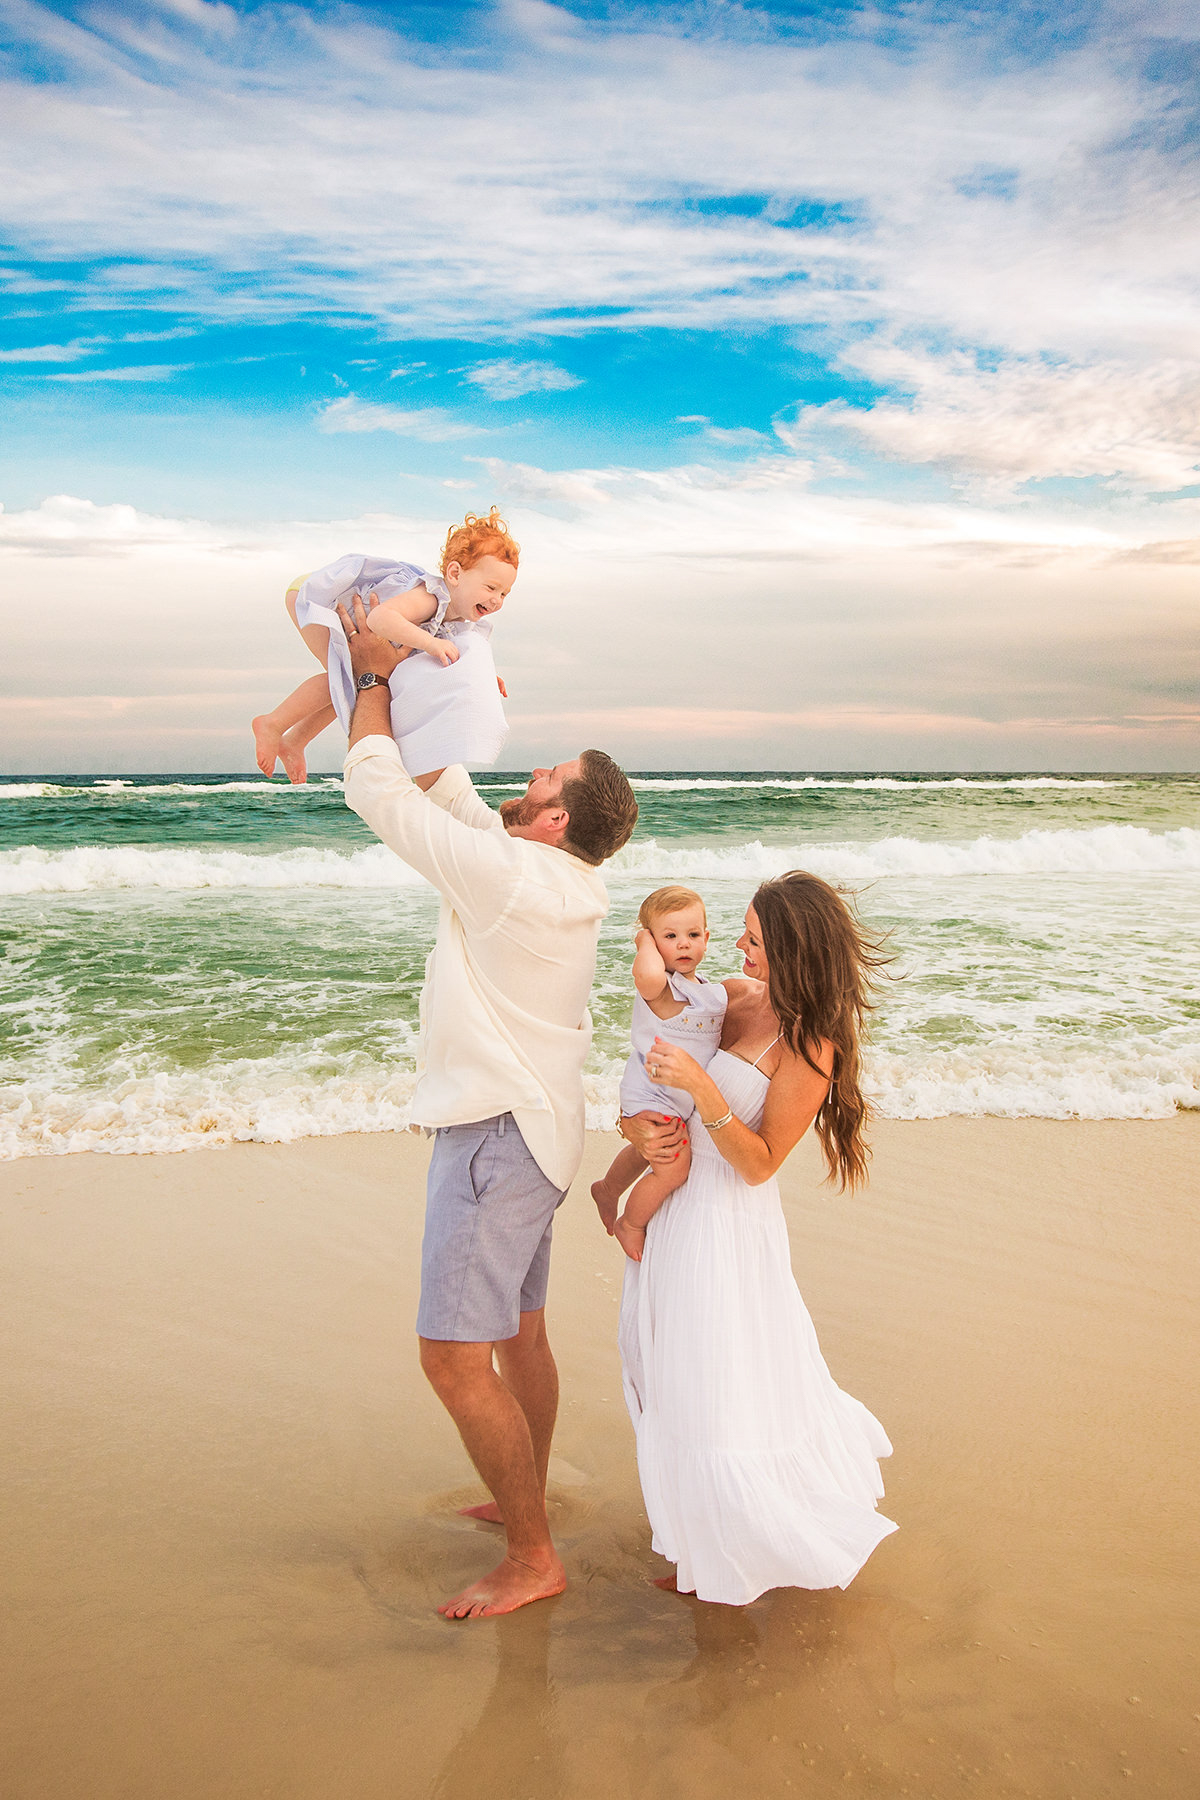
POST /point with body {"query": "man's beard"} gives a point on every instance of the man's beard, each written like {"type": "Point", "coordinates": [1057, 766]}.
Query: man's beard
{"type": "Point", "coordinates": [521, 810]}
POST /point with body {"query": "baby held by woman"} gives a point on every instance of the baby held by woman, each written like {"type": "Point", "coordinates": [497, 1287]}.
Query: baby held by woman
{"type": "Point", "coordinates": [672, 1002]}
{"type": "Point", "coordinates": [445, 692]}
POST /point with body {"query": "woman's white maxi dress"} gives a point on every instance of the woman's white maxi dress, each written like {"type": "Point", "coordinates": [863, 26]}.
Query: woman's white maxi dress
{"type": "Point", "coordinates": [757, 1470]}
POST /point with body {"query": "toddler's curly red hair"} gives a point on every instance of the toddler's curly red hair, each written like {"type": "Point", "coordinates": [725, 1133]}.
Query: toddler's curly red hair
{"type": "Point", "coordinates": [477, 537]}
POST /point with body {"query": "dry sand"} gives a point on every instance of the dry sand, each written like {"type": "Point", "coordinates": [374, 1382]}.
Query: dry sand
{"type": "Point", "coordinates": [229, 1496]}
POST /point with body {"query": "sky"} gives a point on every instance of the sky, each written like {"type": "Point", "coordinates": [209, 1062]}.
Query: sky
{"type": "Point", "coordinates": [836, 367]}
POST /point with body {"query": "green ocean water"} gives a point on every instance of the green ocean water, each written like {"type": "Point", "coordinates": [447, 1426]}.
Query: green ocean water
{"type": "Point", "coordinates": [190, 960]}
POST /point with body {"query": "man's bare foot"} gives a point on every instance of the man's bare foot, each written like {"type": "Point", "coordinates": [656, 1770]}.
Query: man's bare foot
{"type": "Point", "coordinates": [511, 1584]}
{"type": "Point", "coordinates": [267, 740]}
{"type": "Point", "coordinates": [489, 1513]}
{"type": "Point", "coordinates": [608, 1204]}
{"type": "Point", "coordinates": [291, 755]}
{"type": "Point", "coordinates": [632, 1238]}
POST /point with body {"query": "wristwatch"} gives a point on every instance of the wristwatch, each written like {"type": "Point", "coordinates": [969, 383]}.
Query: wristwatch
{"type": "Point", "coordinates": [369, 680]}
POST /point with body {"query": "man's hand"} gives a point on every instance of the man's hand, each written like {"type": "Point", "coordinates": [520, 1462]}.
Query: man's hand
{"type": "Point", "coordinates": [657, 1144]}
{"type": "Point", "coordinates": [368, 654]}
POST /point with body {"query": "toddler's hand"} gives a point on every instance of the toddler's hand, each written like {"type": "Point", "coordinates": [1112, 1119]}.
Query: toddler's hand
{"type": "Point", "coordinates": [443, 651]}
{"type": "Point", "coordinates": [501, 686]}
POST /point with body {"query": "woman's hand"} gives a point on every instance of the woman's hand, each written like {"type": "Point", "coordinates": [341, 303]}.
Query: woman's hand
{"type": "Point", "coordinates": [669, 1066]}
{"type": "Point", "coordinates": [657, 1144]}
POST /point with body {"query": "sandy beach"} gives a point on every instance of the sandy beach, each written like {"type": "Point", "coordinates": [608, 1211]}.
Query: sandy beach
{"type": "Point", "coordinates": [230, 1498]}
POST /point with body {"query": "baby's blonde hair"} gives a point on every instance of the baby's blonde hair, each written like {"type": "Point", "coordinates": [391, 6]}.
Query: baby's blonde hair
{"type": "Point", "coordinates": [667, 900]}
{"type": "Point", "coordinates": [477, 537]}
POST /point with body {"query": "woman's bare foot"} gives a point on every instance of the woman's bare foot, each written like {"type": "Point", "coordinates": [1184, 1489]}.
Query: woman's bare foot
{"type": "Point", "coordinates": [510, 1584]}
{"type": "Point", "coordinates": [489, 1513]}
{"type": "Point", "coordinates": [267, 740]}
{"type": "Point", "coordinates": [291, 755]}
{"type": "Point", "coordinates": [632, 1238]}
{"type": "Point", "coordinates": [608, 1204]}
{"type": "Point", "coordinates": [668, 1583]}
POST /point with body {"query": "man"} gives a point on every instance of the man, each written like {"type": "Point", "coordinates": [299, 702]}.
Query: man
{"type": "Point", "coordinates": [505, 1031]}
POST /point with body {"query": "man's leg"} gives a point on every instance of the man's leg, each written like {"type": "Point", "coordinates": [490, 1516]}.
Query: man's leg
{"type": "Point", "coordinates": [528, 1370]}
{"type": "Point", "coordinates": [499, 1441]}
{"type": "Point", "coordinates": [484, 1265]}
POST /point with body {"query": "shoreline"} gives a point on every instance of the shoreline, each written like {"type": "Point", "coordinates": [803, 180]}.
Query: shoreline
{"type": "Point", "coordinates": [230, 1504]}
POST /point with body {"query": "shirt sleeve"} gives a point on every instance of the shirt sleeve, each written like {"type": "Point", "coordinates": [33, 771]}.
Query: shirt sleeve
{"type": "Point", "coordinates": [478, 871]}
{"type": "Point", "coordinates": [455, 792]}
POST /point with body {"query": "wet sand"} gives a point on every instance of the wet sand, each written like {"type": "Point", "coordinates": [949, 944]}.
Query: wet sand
{"type": "Point", "coordinates": [229, 1498]}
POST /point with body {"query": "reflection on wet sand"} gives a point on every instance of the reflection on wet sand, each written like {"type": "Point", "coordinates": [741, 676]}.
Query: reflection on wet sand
{"type": "Point", "coordinates": [515, 1749]}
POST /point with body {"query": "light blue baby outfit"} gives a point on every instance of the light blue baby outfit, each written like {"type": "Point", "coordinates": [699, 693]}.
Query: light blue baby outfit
{"type": "Point", "coordinates": [697, 1030]}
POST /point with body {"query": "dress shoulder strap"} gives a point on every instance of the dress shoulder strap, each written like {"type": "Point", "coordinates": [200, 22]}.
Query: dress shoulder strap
{"type": "Point", "coordinates": [775, 1040]}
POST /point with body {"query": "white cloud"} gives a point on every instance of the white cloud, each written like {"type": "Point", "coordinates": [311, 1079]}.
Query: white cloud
{"type": "Point", "coordinates": [144, 372]}
{"type": "Point", "coordinates": [52, 353]}
{"type": "Point", "coordinates": [64, 525]}
{"type": "Point", "coordinates": [428, 424]}
{"type": "Point", "coordinates": [1025, 419]}
{"type": "Point", "coordinates": [992, 199]}
{"type": "Point", "coordinates": [735, 437]}
{"type": "Point", "coordinates": [508, 380]}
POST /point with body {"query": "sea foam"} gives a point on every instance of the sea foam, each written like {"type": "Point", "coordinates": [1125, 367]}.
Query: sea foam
{"type": "Point", "coordinates": [1104, 850]}
{"type": "Point", "coordinates": [274, 1101]}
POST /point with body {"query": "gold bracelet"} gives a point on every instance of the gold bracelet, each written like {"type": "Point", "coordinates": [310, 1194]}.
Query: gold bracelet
{"type": "Point", "coordinates": [717, 1124]}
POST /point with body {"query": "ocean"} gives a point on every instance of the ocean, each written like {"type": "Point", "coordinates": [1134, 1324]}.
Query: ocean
{"type": "Point", "coordinates": [194, 960]}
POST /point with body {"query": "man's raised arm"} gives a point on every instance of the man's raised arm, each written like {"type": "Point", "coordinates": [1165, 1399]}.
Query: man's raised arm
{"type": "Point", "coordinates": [476, 870]}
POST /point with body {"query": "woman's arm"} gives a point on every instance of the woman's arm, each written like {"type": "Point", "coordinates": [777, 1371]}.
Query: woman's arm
{"type": "Point", "coordinates": [793, 1102]}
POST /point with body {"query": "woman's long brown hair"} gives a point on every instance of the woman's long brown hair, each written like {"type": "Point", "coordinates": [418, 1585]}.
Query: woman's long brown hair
{"type": "Point", "coordinates": [820, 965]}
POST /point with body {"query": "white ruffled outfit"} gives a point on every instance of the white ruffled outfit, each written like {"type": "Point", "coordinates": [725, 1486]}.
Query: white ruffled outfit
{"type": "Point", "coordinates": [758, 1471]}
{"type": "Point", "coordinates": [697, 1029]}
{"type": "Point", "coordinates": [440, 715]}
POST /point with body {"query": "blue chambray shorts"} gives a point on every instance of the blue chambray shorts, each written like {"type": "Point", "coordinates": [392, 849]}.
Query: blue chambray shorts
{"type": "Point", "coordinates": [489, 1217]}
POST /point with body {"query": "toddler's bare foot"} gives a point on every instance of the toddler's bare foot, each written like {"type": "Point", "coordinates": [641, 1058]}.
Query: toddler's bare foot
{"type": "Point", "coordinates": [489, 1512]}
{"type": "Point", "coordinates": [632, 1238]}
{"type": "Point", "coordinates": [607, 1204]}
{"type": "Point", "coordinates": [267, 739]}
{"type": "Point", "coordinates": [511, 1584]}
{"type": "Point", "coordinates": [291, 755]}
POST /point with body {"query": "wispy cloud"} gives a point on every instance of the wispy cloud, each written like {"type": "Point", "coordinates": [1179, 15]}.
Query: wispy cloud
{"type": "Point", "coordinates": [598, 199]}
{"type": "Point", "coordinates": [52, 353]}
{"type": "Point", "coordinates": [142, 372]}
{"type": "Point", "coordinates": [428, 424]}
{"type": "Point", "coordinates": [509, 380]}
{"type": "Point", "coordinates": [1024, 419]}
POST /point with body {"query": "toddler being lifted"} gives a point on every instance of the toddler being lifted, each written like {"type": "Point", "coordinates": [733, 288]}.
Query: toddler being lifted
{"type": "Point", "coordinates": [674, 1003]}
{"type": "Point", "coordinates": [445, 692]}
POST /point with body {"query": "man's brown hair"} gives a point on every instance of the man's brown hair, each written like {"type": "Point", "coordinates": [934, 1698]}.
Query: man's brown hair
{"type": "Point", "coordinates": [602, 808]}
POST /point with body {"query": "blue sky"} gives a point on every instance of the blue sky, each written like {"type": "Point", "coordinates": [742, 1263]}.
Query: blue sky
{"type": "Point", "coordinates": [836, 365]}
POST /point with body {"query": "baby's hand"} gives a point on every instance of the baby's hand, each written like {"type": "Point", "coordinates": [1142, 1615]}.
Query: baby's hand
{"type": "Point", "coordinates": [443, 651]}
{"type": "Point", "coordinates": [501, 686]}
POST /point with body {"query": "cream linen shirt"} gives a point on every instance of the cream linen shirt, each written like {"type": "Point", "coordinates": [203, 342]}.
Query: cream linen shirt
{"type": "Point", "coordinates": [504, 1019]}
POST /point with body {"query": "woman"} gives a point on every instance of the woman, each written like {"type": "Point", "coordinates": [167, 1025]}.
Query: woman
{"type": "Point", "coordinates": [757, 1471]}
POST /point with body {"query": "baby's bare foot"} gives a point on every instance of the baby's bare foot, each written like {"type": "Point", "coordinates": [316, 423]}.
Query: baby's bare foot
{"type": "Point", "coordinates": [632, 1238]}
{"type": "Point", "coordinates": [511, 1584]}
{"type": "Point", "coordinates": [607, 1204]}
{"type": "Point", "coordinates": [292, 757]}
{"type": "Point", "coordinates": [489, 1513]}
{"type": "Point", "coordinates": [267, 740]}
